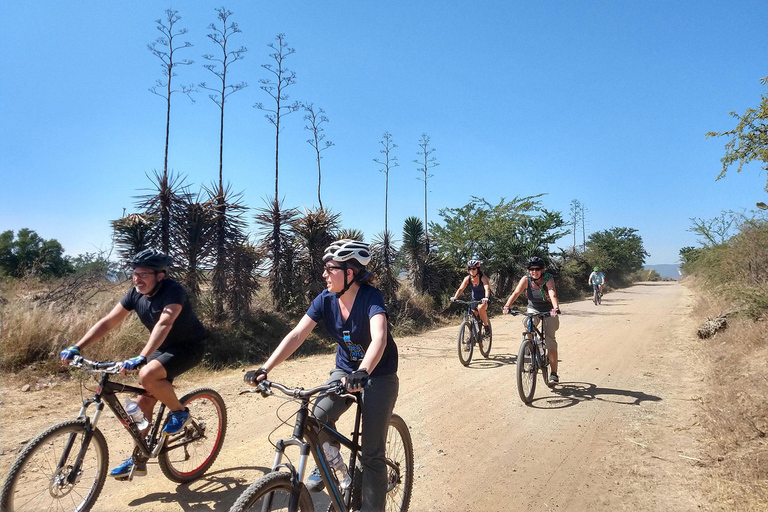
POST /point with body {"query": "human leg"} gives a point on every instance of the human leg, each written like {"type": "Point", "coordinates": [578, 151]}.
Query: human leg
{"type": "Point", "coordinates": [378, 402]}
{"type": "Point", "coordinates": [551, 325]}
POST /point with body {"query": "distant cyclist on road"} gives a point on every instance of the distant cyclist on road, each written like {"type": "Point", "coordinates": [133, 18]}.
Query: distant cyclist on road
{"type": "Point", "coordinates": [542, 297]}
{"type": "Point", "coordinates": [481, 290]}
{"type": "Point", "coordinates": [175, 342]}
{"type": "Point", "coordinates": [597, 280]}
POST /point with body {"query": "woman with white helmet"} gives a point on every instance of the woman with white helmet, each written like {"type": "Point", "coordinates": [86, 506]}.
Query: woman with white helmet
{"type": "Point", "coordinates": [354, 314]}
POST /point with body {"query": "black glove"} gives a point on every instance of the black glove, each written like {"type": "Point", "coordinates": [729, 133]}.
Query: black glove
{"type": "Point", "coordinates": [358, 379]}
{"type": "Point", "coordinates": [252, 376]}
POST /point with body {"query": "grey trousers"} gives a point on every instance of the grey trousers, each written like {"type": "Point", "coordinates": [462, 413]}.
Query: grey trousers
{"type": "Point", "coordinates": [378, 401]}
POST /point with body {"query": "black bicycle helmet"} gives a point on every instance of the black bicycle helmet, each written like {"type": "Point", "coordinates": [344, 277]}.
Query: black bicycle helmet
{"type": "Point", "coordinates": [536, 262]}
{"type": "Point", "coordinates": [150, 258]}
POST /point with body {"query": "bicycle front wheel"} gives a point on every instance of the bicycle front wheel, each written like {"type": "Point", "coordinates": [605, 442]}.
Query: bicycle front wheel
{"type": "Point", "coordinates": [485, 341]}
{"type": "Point", "coordinates": [465, 341]}
{"type": "Point", "coordinates": [43, 476]}
{"type": "Point", "coordinates": [526, 371]}
{"type": "Point", "coordinates": [596, 297]}
{"type": "Point", "coordinates": [188, 454]}
{"type": "Point", "coordinates": [274, 492]}
{"type": "Point", "coordinates": [399, 453]}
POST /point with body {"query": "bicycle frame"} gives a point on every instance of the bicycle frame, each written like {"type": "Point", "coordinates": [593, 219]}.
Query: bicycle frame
{"type": "Point", "coordinates": [534, 331]}
{"type": "Point", "coordinates": [472, 315]}
{"type": "Point", "coordinates": [106, 393]}
{"type": "Point", "coordinates": [306, 436]}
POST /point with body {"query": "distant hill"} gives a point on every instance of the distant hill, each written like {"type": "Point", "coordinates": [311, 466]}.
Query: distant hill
{"type": "Point", "coordinates": [665, 270]}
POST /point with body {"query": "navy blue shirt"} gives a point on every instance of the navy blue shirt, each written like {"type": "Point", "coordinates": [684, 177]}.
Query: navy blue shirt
{"type": "Point", "coordinates": [353, 336]}
{"type": "Point", "coordinates": [186, 329]}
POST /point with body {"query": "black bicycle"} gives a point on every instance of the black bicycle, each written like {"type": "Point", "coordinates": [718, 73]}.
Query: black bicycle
{"type": "Point", "coordinates": [532, 357]}
{"type": "Point", "coordinates": [65, 467]}
{"type": "Point", "coordinates": [471, 333]}
{"type": "Point", "coordinates": [283, 489]}
{"type": "Point", "coordinates": [597, 296]}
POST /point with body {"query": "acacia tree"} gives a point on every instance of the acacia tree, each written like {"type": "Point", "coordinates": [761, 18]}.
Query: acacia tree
{"type": "Point", "coordinates": [749, 140]}
{"type": "Point", "coordinates": [426, 162]}
{"type": "Point", "coordinates": [164, 49]}
{"type": "Point", "coordinates": [275, 86]}
{"type": "Point", "coordinates": [618, 250]}
{"type": "Point", "coordinates": [219, 66]}
{"type": "Point", "coordinates": [316, 118]}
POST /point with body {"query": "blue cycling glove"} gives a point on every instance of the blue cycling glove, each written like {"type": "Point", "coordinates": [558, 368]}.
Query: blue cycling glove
{"type": "Point", "coordinates": [69, 353]}
{"type": "Point", "coordinates": [134, 362]}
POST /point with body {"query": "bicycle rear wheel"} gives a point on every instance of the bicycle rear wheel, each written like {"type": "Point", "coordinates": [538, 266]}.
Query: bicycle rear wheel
{"type": "Point", "coordinates": [188, 454]}
{"type": "Point", "coordinates": [526, 371]}
{"type": "Point", "coordinates": [274, 492]}
{"type": "Point", "coordinates": [38, 480]}
{"type": "Point", "coordinates": [465, 341]}
{"type": "Point", "coordinates": [486, 339]}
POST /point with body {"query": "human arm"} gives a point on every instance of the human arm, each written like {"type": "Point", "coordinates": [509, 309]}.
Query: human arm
{"type": "Point", "coordinates": [463, 285]}
{"type": "Point", "coordinates": [552, 292]}
{"type": "Point", "coordinates": [101, 328]}
{"type": "Point", "coordinates": [487, 288]}
{"type": "Point", "coordinates": [378, 325]}
{"type": "Point", "coordinates": [292, 341]}
{"type": "Point", "coordinates": [516, 293]}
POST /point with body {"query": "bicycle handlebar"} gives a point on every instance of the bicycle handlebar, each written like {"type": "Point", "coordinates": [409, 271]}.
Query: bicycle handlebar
{"type": "Point", "coordinates": [468, 302]}
{"type": "Point", "coordinates": [539, 315]}
{"type": "Point", "coordinates": [95, 366]}
{"type": "Point", "coordinates": [265, 389]}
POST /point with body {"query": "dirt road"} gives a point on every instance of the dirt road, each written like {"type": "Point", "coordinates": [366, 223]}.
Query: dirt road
{"type": "Point", "coordinates": [619, 433]}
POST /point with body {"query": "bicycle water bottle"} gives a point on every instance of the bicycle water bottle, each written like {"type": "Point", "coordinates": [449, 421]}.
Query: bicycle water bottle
{"type": "Point", "coordinates": [336, 461]}
{"type": "Point", "coordinates": [134, 411]}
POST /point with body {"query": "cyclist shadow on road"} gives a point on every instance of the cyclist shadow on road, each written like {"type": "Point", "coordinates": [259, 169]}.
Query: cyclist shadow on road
{"type": "Point", "coordinates": [214, 491]}
{"type": "Point", "coordinates": [568, 394]}
{"type": "Point", "coordinates": [494, 361]}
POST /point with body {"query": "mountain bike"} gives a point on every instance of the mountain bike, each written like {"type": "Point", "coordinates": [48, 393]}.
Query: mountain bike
{"type": "Point", "coordinates": [65, 467]}
{"type": "Point", "coordinates": [597, 297]}
{"type": "Point", "coordinates": [532, 356]}
{"type": "Point", "coordinates": [471, 333]}
{"type": "Point", "coordinates": [283, 488]}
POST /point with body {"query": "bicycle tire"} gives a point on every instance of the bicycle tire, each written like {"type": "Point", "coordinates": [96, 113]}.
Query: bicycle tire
{"type": "Point", "coordinates": [399, 453]}
{"type": "Point", "coordinates": [594, 297]}
{"type": "Point", "coordinates": [278, 487]}
{"type": "Point", "coordinates": [31, 486]}
{"type": "Point", "coordinates": [465, 343]}
{"type": "Point", "coordinates": [486, 340]}
{"type": "Point", "coordinates": [197, 452]}
{"type": "Point", "coordinates": [526, 371]}
{"type": "Point", "coordinates": [599, 298]}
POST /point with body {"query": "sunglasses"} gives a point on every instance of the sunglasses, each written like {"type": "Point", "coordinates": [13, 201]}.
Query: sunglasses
{"type": "Point", "coordinates": [142, 275]}
{"type": "Point", "coordinates": [535, 269]}
{"type": "Point", "coordinates": [330, 268]}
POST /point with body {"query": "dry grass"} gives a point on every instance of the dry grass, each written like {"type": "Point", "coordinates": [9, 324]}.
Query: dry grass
{"type": "Point", "coordinates": [735, 412]}
{"type": "Point", "coordinates": [33, 332]}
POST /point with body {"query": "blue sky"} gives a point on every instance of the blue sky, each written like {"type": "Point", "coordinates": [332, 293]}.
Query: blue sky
{"type": "Point", "coordinates": [607, 102]}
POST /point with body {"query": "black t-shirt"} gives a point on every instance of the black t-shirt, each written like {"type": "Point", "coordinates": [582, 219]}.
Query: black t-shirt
{"type": "Point", "coordinates": [186, 330]}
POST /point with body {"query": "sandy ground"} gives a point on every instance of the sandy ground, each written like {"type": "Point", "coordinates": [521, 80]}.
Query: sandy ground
{"type": "Point", "coordinates": [619, 433]}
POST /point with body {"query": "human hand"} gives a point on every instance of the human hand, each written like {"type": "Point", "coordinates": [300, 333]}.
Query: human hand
{"type": "Point", "coordinates": [554, 312]}
{"type": "Point", "coordinates": [253, 377]}
{"type": "Point", "coordinates": [484, 300]}
{"type": "Point", "coordinates": [505, 310]}
{"type": "Point", "coordinates": [68, 354]}
{"type": "Point", "coordinates": [132, 364]}
{"type": "Point", "coordinates": [452, 299]}
{"type": "Point", "coordinates": [356, 381]}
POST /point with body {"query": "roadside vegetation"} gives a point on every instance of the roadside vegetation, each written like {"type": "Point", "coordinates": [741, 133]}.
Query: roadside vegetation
{"type": "Point", "coordinates": [730, 277]}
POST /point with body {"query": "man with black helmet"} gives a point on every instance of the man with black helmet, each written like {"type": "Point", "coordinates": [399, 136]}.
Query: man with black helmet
{"type": "Point", "coordinates": [175, 341]}
{"type": "Point", "coordinates": [542, 297]}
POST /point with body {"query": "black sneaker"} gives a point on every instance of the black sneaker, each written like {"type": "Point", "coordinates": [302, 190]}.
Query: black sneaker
{"type": "Point", "coordinates": [314, 482]}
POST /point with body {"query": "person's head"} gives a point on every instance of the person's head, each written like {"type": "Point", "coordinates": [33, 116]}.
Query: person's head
{"type": "Point", "coordinates": [536, 266]}
{"type": "Point", "coordinates": [345, 262]}
{"type": "Point", "coordinates": [473, 267]}
{"type": "Point", "coordinates": [149, 268]}
{"type": "Point", "coordinates": [597, 269]}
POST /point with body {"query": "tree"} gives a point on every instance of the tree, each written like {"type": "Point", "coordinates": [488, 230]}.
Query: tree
{"type": "Point", "coordinates": [313, 232]}
{"type": "Point", "coordinates": [134, 233]}
{"type": "Point", "coordinates": [220, 67]}
{"type": "Point", "coordinates": [618, 251]}
{"type": "Point", "coordinates": [316, 119]}
{"type": "Point", "coordinates": [426, 162]}
{"type": "Point", "coordinates": [275, 86]}
{"type": "Point", "coordinates": [163, 48]}
{"type": "Point", "coordinates": [717, 231]}
{"type": "Point", "coordinates": [388, 162]}
{"type": "Point", "coordinates": [413, 248]}
{"type": "Point", "coordinates": [749, 140]}
{"type": "Point", "coordinates": [28, 254]}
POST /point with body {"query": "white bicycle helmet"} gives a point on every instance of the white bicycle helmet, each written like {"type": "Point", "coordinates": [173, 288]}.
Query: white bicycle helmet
{"type": "Point", "coordinates": [346, 249]}
{"type": "Point", "coordinates": [474, 263]}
